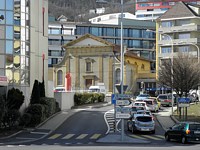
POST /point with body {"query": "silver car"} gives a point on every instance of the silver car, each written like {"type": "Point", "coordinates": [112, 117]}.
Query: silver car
{"type": "Point", "coordinates": [141, 122]}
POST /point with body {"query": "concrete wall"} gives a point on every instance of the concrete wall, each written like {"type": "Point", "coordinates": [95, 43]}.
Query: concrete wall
{"type": "Point", "coordinates": [65, 99]}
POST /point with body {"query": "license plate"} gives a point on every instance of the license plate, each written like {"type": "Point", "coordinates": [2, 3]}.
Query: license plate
{"type": "Point", "coordinates": [144, 129]}
{"type": "Point", "coordinates": [197, 132]}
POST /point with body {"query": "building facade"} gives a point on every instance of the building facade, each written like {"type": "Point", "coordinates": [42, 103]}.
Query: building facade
{"type": "Point", "coordinates": [152, 9]}
{"type": "Point", "coordinates": [23, 43]}
{"type": "Point", "coordinates": [178, 31]}
{"type": "Point", "coordinates": [90, 60]}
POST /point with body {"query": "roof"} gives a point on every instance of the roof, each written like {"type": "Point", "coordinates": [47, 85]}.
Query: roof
{"type": "Point", "coordinates": [180, 10]}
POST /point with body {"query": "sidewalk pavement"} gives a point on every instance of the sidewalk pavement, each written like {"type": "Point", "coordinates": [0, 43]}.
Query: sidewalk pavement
{"type": "Point", "coordinates": [165, 119]}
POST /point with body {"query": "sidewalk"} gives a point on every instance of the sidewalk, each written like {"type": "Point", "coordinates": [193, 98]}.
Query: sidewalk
{"type": "Point", "coordinates": [165, 119]}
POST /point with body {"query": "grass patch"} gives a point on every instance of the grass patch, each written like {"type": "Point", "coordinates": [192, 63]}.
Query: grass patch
{"type": "Point", "coordinates": [193, 114]}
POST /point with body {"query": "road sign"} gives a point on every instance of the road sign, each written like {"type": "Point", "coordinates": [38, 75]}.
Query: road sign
{"type": "Point", "coordinates": [123, 109]}
{"type": "Point", "coordinates": [118, 86]}
{"type": "Point", "coordinates": [183, 100]}
{"type": "Point", "coordinates": [113, 100]}
{"type": "Point", "coordinates": [123, 115]}
{"type": "Point", "coordinates": [123, 102]}
{"type": "Point", "coordinates": [122, 96]}
{"type": "Point", "coordinates": [183, 105]}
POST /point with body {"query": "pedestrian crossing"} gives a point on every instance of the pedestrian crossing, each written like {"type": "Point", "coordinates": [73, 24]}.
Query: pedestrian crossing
{"type": "Point", "coordinates": [96, 136]}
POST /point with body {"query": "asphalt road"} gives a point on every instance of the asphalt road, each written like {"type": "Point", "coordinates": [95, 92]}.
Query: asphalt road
{"type": "Point", "coordinates": [84, 128]}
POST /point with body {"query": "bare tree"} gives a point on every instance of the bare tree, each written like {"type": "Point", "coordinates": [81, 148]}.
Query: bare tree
{"type": "Point", "coordinates": [183, 75]}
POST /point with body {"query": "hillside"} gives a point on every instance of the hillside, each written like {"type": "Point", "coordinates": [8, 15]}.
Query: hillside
{"type": "Point", "coordinates": [78, 10]}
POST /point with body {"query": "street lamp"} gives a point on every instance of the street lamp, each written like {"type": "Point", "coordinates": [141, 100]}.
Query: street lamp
{"type": "Point", "coordinates": [172, 53]}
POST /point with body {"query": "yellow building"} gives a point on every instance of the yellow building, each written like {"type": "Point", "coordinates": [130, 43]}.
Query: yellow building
{"type": "Point", "coordinates": [90, 60]}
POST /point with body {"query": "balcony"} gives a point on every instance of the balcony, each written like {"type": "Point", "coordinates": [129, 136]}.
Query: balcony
{"type": "Point", "coordinates": [178, 41]}
{"type": "Point", "coordinates": [183, 28]}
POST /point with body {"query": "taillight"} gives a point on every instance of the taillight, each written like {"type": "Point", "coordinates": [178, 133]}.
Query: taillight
{"type": "Point", "coordinates": [187, 131]}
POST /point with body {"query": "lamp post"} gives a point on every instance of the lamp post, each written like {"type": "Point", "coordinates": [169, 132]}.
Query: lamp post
{"type": "Point", "coordinates": [172, 54]}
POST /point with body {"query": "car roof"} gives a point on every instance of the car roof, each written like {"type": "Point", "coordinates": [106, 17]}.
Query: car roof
{"type": "Point", "coordinates": [141, 115]}
{"type": "Point", "coordinates": [143, 111]}
{"type": "Point", "coordinates": [190, 122]}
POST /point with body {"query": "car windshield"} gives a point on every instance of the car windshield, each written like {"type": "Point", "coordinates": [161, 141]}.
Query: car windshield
{"type": "Point", "coordinates": [162, 97]}
{"type": "Point", "coordinates": [137, 108]}
{"type": "Point", "coordinates": [149, 102]}
{"type": "Point", "coordinates": [143, 95]}
{"type": "Point", "coordinates": [144, 119]}
{"type": "Point", "coordinates": [140, 104]}
{"type": "Point", "coordinates": [194, 127]}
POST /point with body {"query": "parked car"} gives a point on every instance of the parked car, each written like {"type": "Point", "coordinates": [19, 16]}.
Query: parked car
{"type": "Point", "coordinates": [141, 103]}
{"type": "Point", "coordinates": [142, 96]}
{"type": "Point", "coordinates": [156, 100]}
{"type": "Point", "coordinates": [165, 99]}
{"type": "Point", "coordinates": [152, 105]}
{"type": "Point", "coordinates": [144, 112]}
{"type": "Point", "coordinates": [134, 109]}
{"type": "Point", "coordinates": [59, 89]}
{"type": "Point", "coordinates": [184, 131]}
{"type": "Point", "coordinates": [141, 122]}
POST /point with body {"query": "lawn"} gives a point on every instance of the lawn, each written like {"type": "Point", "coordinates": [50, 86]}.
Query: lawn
{"type": "Point", "coordinates": [192, 115]}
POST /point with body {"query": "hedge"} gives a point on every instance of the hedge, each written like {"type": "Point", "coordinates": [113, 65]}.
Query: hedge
{"type": "Point", "coordinates": [87, 98]}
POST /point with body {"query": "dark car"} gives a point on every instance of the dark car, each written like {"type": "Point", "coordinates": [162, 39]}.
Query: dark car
{"type": "Point", "coordinates": [184, 132]}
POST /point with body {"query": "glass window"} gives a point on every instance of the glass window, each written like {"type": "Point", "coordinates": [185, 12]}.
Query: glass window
{"type": "Point", "coordinates": [59, 77]}
{"type": "Point", "coordinates": [9, 17]}
{"type": "Point", "coordinates": [135, 43]}
{"type": "Point", "coordinates": [184, 36]}
{"type": "Point", "coordinates": [95, 31]}
{"type": "Point", "coordinates": [9, 32]}
{"type": "Point", "coordinates": [183, 49]}
{"type": "Point", "coordinates": [9, 4]}
{"type": "Point", "coordinates": [136, 33]}
{"type": "Point", "coordinates": [2, 32]}
{"type": "Point", "coordinates": [88, 66]}
{"type": "Point", "coordinates": [166, 50]}
{"type": "Point", "coordinates": [166, 24]}
{"type": "Point", "coordinates": [82, 30]}
{"type": "Point", "coordinates": [9, 61]}
{"type": "Point", "coordinates": [117, 76]}
{"type": "Point", "coordinates": [2, 46]}
{"type": "Point", "coordinates": [2, 6]}
{"type": "Point", "coordinates": [9, 47]}
{"type": "Point", "coordinates": [2, 15]}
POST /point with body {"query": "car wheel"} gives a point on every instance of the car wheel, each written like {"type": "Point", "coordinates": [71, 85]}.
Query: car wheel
{"type": "Point", "coordinates": [153, 132]}
{"type": "Point", "coordinates": [183, 140]}
{"type": "Point", "coordinates": [132, 130]}
{"type": "Point", "coordinates": [128, 127]}
{"type": "Point", "coordinates": [167, 137]}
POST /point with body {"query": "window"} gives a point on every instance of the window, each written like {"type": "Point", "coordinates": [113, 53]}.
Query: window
{"type": "Point", "coordinates": [117, 76]}
{"type": "Point", "coordinates": [166, 50]}
{"type": "Point", "coordinates": [142, 67]}
{"type": "Point", "coordinates": [184, 36]}
{"type": "Point", "coordinates": [9, 17]}
{"type": "Point", "coordinates": [166, 24]}
{"type": "Point", "coordinates": [88, 66]}
{"type": "Point", "coordinates": [9, 32]}
{"type": "Point", "coordinates": [2, 6]}
{"type": "Point", "coordinates": [9, 4]}
{"type": "Point", "coordinates": [183, 49]}
{"type": "Point", "coordinates": [59, 77]}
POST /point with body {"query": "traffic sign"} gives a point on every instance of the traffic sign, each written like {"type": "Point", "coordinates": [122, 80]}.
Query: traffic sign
{"type": "Point", "coordinates": [123, 115]}
{"type": "Point", "coordinates": [183, 100]}
{"type": "Point", "coordinates": [122, 96]}
{"type": "Point", "coordinates": [122, 109]}
{"type": "Point", "coordinates": [184, 105]}
{"type": "Point", "coordinates": [118, 86]}
{"type": "Point", "coordinates": [123, 102]}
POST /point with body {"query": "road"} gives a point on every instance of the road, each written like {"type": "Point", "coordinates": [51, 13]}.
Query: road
{"type": "Point", "coordinates": [84, 128]}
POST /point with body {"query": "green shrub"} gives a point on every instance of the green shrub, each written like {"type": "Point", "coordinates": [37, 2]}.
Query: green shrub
{"type": "Point", "coordinates": [25, 119]}
{"type": "Point", "coordinates": [2, 109]}
{"type": "Point", "coordinates": [11, 118]}
{"type": "Point", "coordinates": [15, 99]}
{"type": "Point", "coordinates": [49, 105]}
{"type": "Point", "coordinates": [37, 114]}
{"type": "Point", "coordinates": [86, 98]}
{"type": "Point", "coordinates": [35, 96]}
